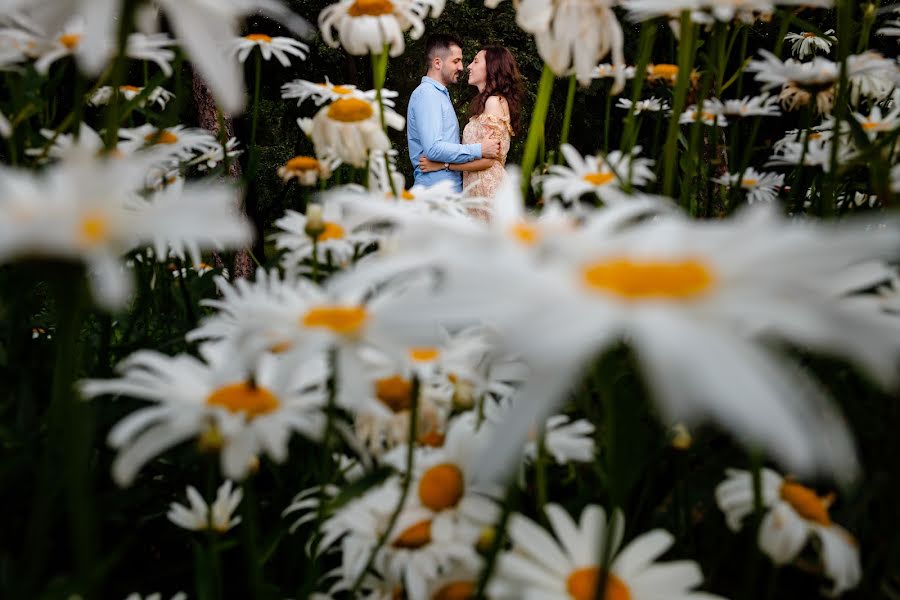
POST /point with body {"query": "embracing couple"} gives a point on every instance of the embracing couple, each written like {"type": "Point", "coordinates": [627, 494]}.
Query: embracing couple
{"type": "Point", "coordinates": [475, 166]}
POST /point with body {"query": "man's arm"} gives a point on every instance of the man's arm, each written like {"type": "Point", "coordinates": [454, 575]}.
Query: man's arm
{"type": "Point", "coordinates": [430, 125]}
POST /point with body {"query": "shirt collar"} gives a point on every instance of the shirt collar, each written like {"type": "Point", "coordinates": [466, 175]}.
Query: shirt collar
{"type": "Point", "coordinates": [435, 83]}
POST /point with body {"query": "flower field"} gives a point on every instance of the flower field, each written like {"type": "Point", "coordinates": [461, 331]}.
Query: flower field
{"type": "Point", "coordinates": [243, 355]}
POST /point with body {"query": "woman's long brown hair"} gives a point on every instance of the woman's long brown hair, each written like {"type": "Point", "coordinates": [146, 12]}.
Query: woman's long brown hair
{"type": "Point", "coordinates": [503, 79]}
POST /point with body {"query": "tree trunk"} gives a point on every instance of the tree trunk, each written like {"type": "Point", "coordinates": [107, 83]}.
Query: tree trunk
{"type": "Point", "coordinates": [208, 119]}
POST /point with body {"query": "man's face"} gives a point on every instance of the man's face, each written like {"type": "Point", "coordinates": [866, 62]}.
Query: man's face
{"type": "Point", "coordinates": [452, 66]}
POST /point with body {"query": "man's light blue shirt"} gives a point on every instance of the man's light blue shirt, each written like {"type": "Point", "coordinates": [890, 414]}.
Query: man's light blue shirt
{"type": "Point", "coordinates": [432, 129]}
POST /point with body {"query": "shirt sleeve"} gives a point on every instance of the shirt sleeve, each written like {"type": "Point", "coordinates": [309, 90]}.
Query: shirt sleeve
{"type": "Point", "coordinates": [431, 132]}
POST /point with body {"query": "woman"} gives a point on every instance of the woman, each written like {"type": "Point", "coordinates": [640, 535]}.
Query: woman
{"type": "Point", "coordinates": [493, 113]}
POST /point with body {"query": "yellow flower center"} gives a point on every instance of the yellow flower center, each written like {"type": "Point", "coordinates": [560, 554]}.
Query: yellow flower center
{"type": "Point", "coordinates": [870, 125]}
{"type": "Point", "coordinates": [345, 320]}
{"type": "Point", "coordinates": [599, 178]}
{"type": "Point", "coordinates": [663, 71]}
{"type": "Point", "coordinates": [423, 354]}
{"type": "Point", "coordinates": [806, 502]}
{"type": "Point", "coordinates": [161, 137]}
{"type": "Point", "coordinates": [644, 280]}
{"type": "Point", "coordinates": [94, 229]}
{"type": "Point", "coordinates": [350, 110]}
{"type": "Point", "coordinates": [333, 231]}
{"type": "Point", "coordinates": [415, 536]}
{"type": "Point", "coordinates": [433, 439]}
{"type": "Point", "coordinates": [808, 34]}
{"type": "Point", "coordinates": [259, 37]}
{"type": "Point", "coordinates": [749, 182]}
{"type": "Point", "coordinates": [243, 397]}
{"type": "Point", "coordinates": [337, 89]}
{"type": "Point", "coordinates": [302, 163]}
{"type": "Point", "coordinates": [371, 8]}
{"type": "Point", "coordinates": [582, 585]}
{"type": "Point", "coordinates": [70, 40]}
{"type": "Point", "coordinates": [130, 88]}
{"type": "Point", "coordinates": [457, 590]}
{"type": "Point", "coordinates": [407, 195]}
{"type": "Point", "coordinates": [525, 233]}
{"type": "Point", "coordinates": [395, 392]}
{"type": "Point", "coordinates": [441, 486]}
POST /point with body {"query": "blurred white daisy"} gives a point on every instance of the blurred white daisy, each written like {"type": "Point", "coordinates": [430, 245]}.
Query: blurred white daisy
{"type": "Point", "coordinates": [872, 76]}
{"type": "Point", "coordinates": [87, 209]}
{"type": "Point", "coordinates": [878, 122]}
{"type": "Point", "coordinates": [237, 410]}
{"type": "Point", "coordinates": [795, 514]}
{"type": "Point", "coordinates": [711, 115]}
{"type": "Point", "coordinates": [575, 34]}
{"type": "Point", "coordinates": [278, 46]}
{"type": "Point", "coordinates": [708, 11]}
{"type": "Point", "coordinates": [171, 145]}
{"type": "Point", "coordinates": [367, 26]}
{"type": "Point", "coordinates": [603, 176]}
{"type": "Point", "coordinates": [760, 186]}
{"type": "Point", "coordinates": [610, 71]}
{"type": "Point", "coordinates": [217, 516]}
{"type": "Point", "coordinates": [305, 169]}
{"type": "Point", "coordinates": [647, 105]}
{"type": "Point", "coordinates": [338, 238]}
{"type": "Point", "coordinates": [807, 43]}
{"type": "Point", "coordinates": [159, 95]}
{"type": "Point", "coordinates": [321, 93]}
{"type": "Point", "coordinates": [350, 128]}
{"type": "Point", "coordinates": [156, 596]}
{"type": "Point", "coordinates": [211, 156]}
{"type": "Point", "coordinates": [570, 565]}
{"type": "Point", "coordinates": [764, 105]}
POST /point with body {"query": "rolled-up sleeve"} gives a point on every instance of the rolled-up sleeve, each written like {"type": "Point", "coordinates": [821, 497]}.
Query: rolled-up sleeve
{"type": "Point", "coordinates": [431, 134]}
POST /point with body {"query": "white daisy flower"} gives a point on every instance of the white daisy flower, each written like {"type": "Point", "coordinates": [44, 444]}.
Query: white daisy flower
{"type": "Point", "coordinates": [565, 440]}
{"type": "Point", "coordinates": [807, 43]}
{"type": "Point", "coordinates": [603, 176]}
{"type": "Point", "coordinates": [350, 128]}
{"type": "Point", "coordinates": [660, 284]}
{"type": "Point", "coordinates": [152, 47]}
{"type": "Point", "coordinates": [367, 26]}
{"type": "Point", "coordinates": [648, 105]}
{"type": "Point", "coordinates": [88, 210]}
{"type": "Point", "coordinates": [172, 145]}
{"type": "Point", "coordinates": [895, 178]}
{"type": "Point", "coordinates": [212, 156]}
{"type": "Point", "coordinates": [5, 127]}
{"type": "Point", "coordinates": [200, 516]}
{"type": "Point", "coordinates": [575, 34]}
{"type": "Point", "coordinates": [800, 83]}
{"type": "Point", "coordinates": [710, 116]}
{"type": "Point", "coordinates": [321, 93]}
{"type": "Point", "coordinates": [608, 71]}
{"type": "Point", "coordinates": [764, 105]}
{"type": "Point", "coordinates": [89, 143]}
{"type": "Point", "coordinates": [760, 186]}
{"type": "Point", "coordinates": [279, 47]}
{"type": "Point", "coordinates": [708, 11]}
{"type": "Point", "coordinates": [878, 122]}
{"type": "Point", "coordinates": [891, 28]}
{"type": "Point", "coordinates": [305, 169]}
{"type": "Point", "coordinates": [872, 76]}
{"type": "Point", "coordinates": [157, 596]}
{"type": "Point", "coordinates": [242, 412]}
{"type": "Point", "coordinates": [338, 238]}
{"type": "Point", "coordinates": [794, 515]}
{"type": "Point", "coordinates": [159, 95]}
{"type": "Point", "coordinates": [202, 28]}
{"type": "Point", "coordinates": [569, 566]}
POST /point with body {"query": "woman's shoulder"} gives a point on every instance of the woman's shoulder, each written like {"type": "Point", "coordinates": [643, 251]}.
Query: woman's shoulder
{"type": "Point", "coordinates": [496, 104]}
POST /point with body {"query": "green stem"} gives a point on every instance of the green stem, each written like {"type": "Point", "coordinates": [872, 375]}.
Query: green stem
{"type": "Point", "coordinates": [254, 124]}
{"type": "Point", "coordinates": [540, 471]}
{"type": "Point", "coordinates": [567, 117]}
{"type": "Point", "coordinates": [536, 127]}
{"type": "Point", "coordinates": [379, 74]}
{"type": "Point", "coordinates": [869, 13]}
{"type": "Point", "coordinates": [786, 18]}
{"type": "Point", "coordinates": [510, 501]}
{"type": "Point", "coordinates": [249, 534]}
{"type": "Point", "coordinates": [828, 197]}
{"type": "Point", "coordinates": [686, 50]}
{"type": "Point", "coordinates": [645, 49]}
{"type": "Point", "coordinates": [119, 71]}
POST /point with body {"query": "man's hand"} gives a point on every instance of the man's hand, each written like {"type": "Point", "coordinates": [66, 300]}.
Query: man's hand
{"type": "Point", "coordinates": [427, 166]}
{"type": "Point", "coordinates": [490, 149]}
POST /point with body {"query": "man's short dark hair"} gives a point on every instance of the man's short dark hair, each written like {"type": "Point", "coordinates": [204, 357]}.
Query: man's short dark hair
{"type": "Point", "coordinates": [439, 44]}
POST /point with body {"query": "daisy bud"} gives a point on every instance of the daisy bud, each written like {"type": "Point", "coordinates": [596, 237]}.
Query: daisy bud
{"type": "Point", "coordinates": [315, 224]}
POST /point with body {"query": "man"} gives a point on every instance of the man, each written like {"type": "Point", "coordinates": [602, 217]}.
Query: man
{"type": "Point", "coordinates": [432, 128]}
